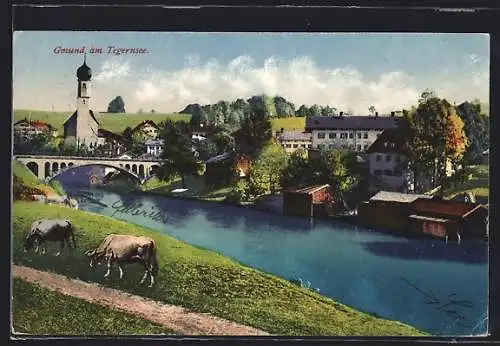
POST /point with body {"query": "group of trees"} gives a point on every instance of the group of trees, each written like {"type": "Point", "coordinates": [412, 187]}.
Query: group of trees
{"type": "Point", "coordinates": [434, 136]}
{"type": "Point", "coordinates": [116, 105]}
{"type": "Point", "coordinates": [232, 113]}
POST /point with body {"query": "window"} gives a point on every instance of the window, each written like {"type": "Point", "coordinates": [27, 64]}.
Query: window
{"type": "Point", "coordinates": [365, 146]}
{"type": "Point", "coordinates": [302, 145]}
{"type": "Point", "coordinates": [365, 135]}
{"type": "Point", "coordinates": [332, 135]}
{"type": "Point", "coordinates": [377, 172]}
{"type": "Point", "coordinates": [359, 147]}
{"type": "Point", "coordinates": [351, 135]}
{"type": "Point", "coordinates": [343, 135]}
{"type": "Point", "coordinates": [295, 145]}
{"type": "Point", "coordinates": [388, 158]}
{"type": "Point", "coordinates": [359, 135]}
{"type": "Point", "coordinates": [321, 135]}
{"type": "Point", "coordinates": [288, 145]}
{"type": "Point", "coordinates": [388, 172]}
{"type": "Point", "coordinates": [378, 158]}
{"type": "Point", "coordinates": [309, 146]}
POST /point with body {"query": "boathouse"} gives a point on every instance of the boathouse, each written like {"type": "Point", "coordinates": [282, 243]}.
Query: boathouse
{"type": "Point", "coordinates": [308, 201]}
{"type": "Point", "coordinates": [456, 219]}
{"type": "Point", "coordinates": [388, 210]}
{"type": "Point", "coordinates": [222, 169]}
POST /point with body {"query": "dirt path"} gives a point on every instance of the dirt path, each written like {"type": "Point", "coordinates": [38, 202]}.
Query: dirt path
{"type": "Point", "coordinates": [172, 317]}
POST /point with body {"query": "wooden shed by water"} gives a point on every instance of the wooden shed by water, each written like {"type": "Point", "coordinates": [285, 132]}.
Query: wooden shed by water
{"type": "Point", "coordinates": [307, 202]}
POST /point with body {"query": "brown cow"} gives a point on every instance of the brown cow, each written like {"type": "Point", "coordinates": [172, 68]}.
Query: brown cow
{"type": "Point", "coordinates": [121, 249]}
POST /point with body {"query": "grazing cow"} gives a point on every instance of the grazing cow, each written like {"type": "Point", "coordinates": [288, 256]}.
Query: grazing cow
{"type": "Point", "coordinates": [121, 249]}
{"type": "Point", "coordinates": [49, 230]}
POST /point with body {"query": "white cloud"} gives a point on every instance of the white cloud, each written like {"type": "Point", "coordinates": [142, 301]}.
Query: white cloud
{"type": "Point", "coordinates": [112, 70]}
{"type": "Point", "coordinates": [299, 80]}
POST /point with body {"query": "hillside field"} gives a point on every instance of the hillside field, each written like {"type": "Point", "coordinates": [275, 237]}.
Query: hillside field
{"type": "Point", "coordinates": [119, 121]}
{"type": "Point", "coordinates": [114, 122]}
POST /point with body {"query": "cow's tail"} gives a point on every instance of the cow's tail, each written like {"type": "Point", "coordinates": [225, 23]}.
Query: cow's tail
{"type": "Point", "coordinates": [154, 259]}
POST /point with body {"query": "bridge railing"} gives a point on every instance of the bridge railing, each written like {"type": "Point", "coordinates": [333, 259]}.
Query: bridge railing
{"type": "Point", "coordinates": [88, 158]}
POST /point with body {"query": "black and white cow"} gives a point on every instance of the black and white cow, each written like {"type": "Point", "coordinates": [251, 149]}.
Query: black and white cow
{"type": "Point", "coordinates": [49, 230]}
{"type": "Point", "coordinates": [121, 249]}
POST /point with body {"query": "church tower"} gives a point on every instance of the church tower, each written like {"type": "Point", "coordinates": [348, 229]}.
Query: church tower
{"type": "Point", "coordinates": [82, 127]}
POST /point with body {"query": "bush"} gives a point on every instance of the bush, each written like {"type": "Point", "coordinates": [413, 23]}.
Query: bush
{"type": "Point", "coordinates": [57, 187]}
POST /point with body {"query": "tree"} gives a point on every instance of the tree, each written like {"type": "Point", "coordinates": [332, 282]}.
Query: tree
{"type": "Point", "coordinates": [283, 107]}
{"type": "Point", "coordinates": [328, 111]}
{"type": "Point", "coordinates": [315, 111]}
{"type": "Point", "coordinates": [476, 128]}
{"type": "Point", "coordinates": [265, 174]}
{"type": "Point", "coordinates": [372, 110]}
{"type": "Point", "coordinates": [333, 169]}
{"type": "Point", "coordinates": [198, 115]}
{"type": "Point", "coordinates": [127, 133]}
{"type": "Point", "coordinates": [297, 171]}
{"type": "Point", "coordinates": [255, 130]}
{"type": "Point", "coordinates": [177, 153]}
{"type": "Point", "coordinates": [434, 135]}
{"type": "Point", "coordinates": [303, 111]}
{"type": "Point", "coordinates": [116, 105]}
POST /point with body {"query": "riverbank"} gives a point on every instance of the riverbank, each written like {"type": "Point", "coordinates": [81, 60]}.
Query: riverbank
{"type": "Point", "coordinates": [203, 281]}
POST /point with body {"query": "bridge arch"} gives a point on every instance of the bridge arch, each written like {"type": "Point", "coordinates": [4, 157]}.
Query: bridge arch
{"type": "Point", "coordinates": [47, 171]}
{"type": "Point", "coordinates": [117, 167]}
{"type": "Point", "coordinates": [33, 167]}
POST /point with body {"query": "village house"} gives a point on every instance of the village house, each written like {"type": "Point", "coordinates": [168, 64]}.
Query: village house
{"type": "Point", "coordinates": [388, 210]}
{"type": "Point", "coordinates": [25, 129]}
{"type": "Point", "coordinates": [388, 169]}
{"type": "Point", "coordinates": [112, 143]}
{"type": "Point", "coordinates": [148, 128]}
{"type": "Point", "coordinates": [201, 130]}
{"type": "Point", "coordinates": [292, 141]}
{"type": "Point", "coordinates": [222, 169]}
{"type": "Point", "coordinates": [154, 147]}
{"type": "Point", "coordinates": [448, 219]}
{"type": "Point", "coordinates": [356, 133]}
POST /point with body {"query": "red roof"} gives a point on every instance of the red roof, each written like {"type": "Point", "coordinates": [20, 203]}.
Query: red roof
{"type": "Point", "coordinates": [310, 189]}
{"type": "Point", "coordinates": [445, 207]}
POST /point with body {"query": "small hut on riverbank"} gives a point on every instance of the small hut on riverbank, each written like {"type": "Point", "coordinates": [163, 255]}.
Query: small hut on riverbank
{"type": "Point", "coordinates": [441, 218]}
{"type": "Point", "coordinates": [388, 210]}
{"type": "Point", "coordinates": [222, 169]}
{"type": "Point", "coordinates": [309, 201]}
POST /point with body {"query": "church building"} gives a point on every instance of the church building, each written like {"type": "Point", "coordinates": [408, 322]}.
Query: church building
{"type": "Point", "coordinates": [82, 127]}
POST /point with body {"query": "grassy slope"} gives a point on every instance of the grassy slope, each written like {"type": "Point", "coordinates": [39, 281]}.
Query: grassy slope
{"type": "Point", "coordinates": [111, 122]}
{"type": "Point", "coordinates": [37, 310]}
{"type": "Point", "coordinates": [478, 185]}
{"type": "Point", "coordinates": [29, 179]}
{"type": "Point", "coordinates": [118, 122]}
{"type": "Point", "coordinates": [202, 280]}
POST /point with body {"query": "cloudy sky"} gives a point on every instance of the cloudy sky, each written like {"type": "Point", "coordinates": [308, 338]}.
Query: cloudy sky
{"type": "Point", "coordinates": [346, 71]}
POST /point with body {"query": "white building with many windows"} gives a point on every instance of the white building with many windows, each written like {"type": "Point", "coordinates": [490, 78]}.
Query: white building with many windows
{"type": "Point", "coordinates": [356, 133]}
{"type": "Point", "coordinates": [292, 141]}
{"type": "Point", "coordinates": [154, 147]}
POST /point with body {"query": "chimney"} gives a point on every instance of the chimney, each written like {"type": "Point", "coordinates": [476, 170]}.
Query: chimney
{"type": "Point", "coordinates": [376, 114]}
{"type": "Point", "coordinates": [392, 114]}
{"type": "Point", "coordinates": [341, 113]}
{"type": "Point", "coordinates": [282, 130]}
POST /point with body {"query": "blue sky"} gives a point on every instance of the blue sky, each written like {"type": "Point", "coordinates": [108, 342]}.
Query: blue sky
{"type": "Point", "coordinates": [347, 71]}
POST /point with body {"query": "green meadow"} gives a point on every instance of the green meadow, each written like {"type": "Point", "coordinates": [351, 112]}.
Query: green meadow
{"type": "Point", "coordinates": [37, 310]}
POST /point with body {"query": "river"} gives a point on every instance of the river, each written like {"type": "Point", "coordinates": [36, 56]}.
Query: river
{"type": "Point", "coordinates": [437, 287]}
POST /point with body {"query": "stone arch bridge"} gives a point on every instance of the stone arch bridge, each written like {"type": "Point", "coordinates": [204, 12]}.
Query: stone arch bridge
{"type": "Point", "coordinates": [49, 167]}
